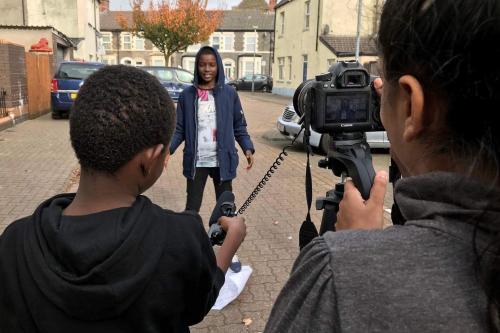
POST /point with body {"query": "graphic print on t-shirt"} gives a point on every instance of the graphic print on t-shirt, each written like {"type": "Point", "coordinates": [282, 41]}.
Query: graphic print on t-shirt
{"type": "Point", "coordinates": [207, 130]}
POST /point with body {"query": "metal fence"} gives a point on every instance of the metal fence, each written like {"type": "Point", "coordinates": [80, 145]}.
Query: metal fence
{"type": "Point", "coordinates": [3, 104]}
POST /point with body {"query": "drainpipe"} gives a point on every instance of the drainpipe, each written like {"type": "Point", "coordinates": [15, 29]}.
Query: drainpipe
{"type": "Point", "coordinates": [118, 48]}
{"type": "Point", "coordinates": [95, 32]}
{"type": "Point", "coordinates": [358, 33]}
{"type": "Point", "coordinates": [274, 32]}
{"type": "Point", "coordinates": [24, 16]}
{"type": "Point", "coordinates": [317, 24]}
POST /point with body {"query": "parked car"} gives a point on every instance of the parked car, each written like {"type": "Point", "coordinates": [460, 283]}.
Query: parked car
{"type": "Point", "coordinates": [67, 81]}
{"type": "Point", "coordinates": [261, 82]}
{"type": "Point", "coordinates": [288, 125]}
{"type": "Point", "coordinates": [172, 78]}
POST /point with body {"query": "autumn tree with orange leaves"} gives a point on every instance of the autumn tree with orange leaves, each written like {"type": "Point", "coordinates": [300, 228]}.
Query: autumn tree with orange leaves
{"type": "Point", "coordinates": [172, 25]}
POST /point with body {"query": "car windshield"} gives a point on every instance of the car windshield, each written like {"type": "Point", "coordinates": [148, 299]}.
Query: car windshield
{"type": "Point", "coordinates": [77, 71]}
{"type": "Point", "coordinates": [184, 76]}
{"type": "Point", "coordinates": [161, 74]}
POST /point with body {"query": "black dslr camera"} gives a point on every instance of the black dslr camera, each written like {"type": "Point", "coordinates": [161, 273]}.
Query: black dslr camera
{"type": "Point", "coordinates": [343, 104]}
{"type": "Point", "coordinates": [342, 100]}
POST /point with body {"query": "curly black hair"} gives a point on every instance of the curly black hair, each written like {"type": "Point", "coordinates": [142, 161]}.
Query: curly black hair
{"type": "Point", "coordinates": [119, 111]}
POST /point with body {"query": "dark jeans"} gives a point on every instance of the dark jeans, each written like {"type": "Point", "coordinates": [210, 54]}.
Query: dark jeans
{"type": "Point", "coordinates": [196, 186]}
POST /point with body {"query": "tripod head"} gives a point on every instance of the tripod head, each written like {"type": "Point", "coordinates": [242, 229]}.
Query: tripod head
{"type": "Point", "coordinates": [348, 156]}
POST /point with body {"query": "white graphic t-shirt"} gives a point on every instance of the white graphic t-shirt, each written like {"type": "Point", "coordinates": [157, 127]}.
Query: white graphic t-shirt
{"type": "Point", "coordinates": [206, 156]}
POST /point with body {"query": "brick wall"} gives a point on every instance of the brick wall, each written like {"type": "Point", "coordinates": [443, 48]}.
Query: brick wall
{"type": "Point", "coordinates": [13, 79]}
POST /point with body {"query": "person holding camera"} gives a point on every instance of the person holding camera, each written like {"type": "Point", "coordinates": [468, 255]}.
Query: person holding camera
{"type": "Point", "coordinates": [437, 269]}
{"type": "Point", "coordinates": [107, 259]}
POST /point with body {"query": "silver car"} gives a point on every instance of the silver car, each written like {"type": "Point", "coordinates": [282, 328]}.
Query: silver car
{"type": "Point", "coordinates": [288, 126]}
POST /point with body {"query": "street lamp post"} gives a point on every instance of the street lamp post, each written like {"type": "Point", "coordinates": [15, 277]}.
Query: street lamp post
{"type": "Point", "coordinates": [254, 50]}
{"type": "Point", "coordinates": [358, 33]}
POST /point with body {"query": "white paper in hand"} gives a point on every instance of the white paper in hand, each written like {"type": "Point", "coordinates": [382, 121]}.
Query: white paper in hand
{"type": "Point", "coordinates": [233, 286]}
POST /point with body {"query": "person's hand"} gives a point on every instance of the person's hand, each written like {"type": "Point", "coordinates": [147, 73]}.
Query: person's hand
{"type": "Point", "coordinates": [233, 225]}
{"type": "Point", "coordinates": [378, 84]}
{"type": "Point", "coordinates": [249, 156]}
{"type": "Point", "coordinates": [356, 213]}
{"type": "Point", "coordinates": [236, 230]}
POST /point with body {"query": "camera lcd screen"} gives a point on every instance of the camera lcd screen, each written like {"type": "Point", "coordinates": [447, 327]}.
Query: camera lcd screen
{"type": "Point", "coordinates": [347, 108]}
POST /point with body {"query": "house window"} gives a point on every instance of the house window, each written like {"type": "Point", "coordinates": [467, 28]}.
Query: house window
{"type": "Point", "coordinates": [228, 43]}
{"type": "Point", "coordinates": [229, 67]}
{"type": "Point", "coordinates": [281, 68]}
{"type": "Point", "coordinates": [139, 62]}
{"type": "Point", "coordinates": [126, 41]}
{"type": "Point", "coordinates": [216, 42]}
{"type": "Point", "coordinates": [248, 67]}
{"type": "Point", "coordinates": [282, 20]}
{"type": "Point", "coordinates": [139, 43]}
{"type": "Point", "coordinates": [251, 43]}
{"type": "Point", "coordinates": [304, 67]}
{"type": "Point", "coordinates": [289, 68]}
{"type": "Point", "coordinates": [126, 61]}
{"type": "Point", "coordinates": [307, 14]}
{"type": "Point", "coordinates": [106, 40]}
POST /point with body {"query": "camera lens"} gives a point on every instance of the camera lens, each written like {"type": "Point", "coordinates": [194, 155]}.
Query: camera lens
{"type": "Point", "coordinates": [300, 102]}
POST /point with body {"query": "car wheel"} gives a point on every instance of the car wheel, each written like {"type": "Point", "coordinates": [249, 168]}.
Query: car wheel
{"type": "Point", "coordinates": [324, 144]}
{"type": "Point", "coordinates": [265, 89]}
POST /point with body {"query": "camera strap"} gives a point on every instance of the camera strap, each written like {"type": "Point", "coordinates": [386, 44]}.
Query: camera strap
{"type": "Point", "coordinates": [308, 230]}
{"type": "Point", "coordinates": [394, 175]}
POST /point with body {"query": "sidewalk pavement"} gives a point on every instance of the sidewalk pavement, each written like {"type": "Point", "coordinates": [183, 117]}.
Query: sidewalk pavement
{"type": "Point", "coordinates": [36, 161]}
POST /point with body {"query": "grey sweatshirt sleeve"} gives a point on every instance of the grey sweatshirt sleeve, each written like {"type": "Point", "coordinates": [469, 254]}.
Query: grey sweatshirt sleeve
{"type": "Point", "coordinates": [307, 302]}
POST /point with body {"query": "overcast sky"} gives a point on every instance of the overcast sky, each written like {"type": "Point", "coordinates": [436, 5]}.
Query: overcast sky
{"type": "Point", "coordinates": [222, 4]}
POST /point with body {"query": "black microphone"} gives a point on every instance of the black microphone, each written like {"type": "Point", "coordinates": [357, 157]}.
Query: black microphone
{"type": "Point", "coordinates": [224, 207]}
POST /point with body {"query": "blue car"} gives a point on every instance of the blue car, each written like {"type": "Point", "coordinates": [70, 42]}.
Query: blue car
{"type": "Point", "coordinates": [66, 83]}
{"type": "Point", "coordinates": [172, 78]}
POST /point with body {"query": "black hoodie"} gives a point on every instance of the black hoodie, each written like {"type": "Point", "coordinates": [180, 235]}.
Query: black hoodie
{"type": "Point", "coordinates": [136, 269]}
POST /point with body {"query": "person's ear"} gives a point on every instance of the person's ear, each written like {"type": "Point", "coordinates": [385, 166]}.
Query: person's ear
{"type": "Point", "coordinates": [416, 119]}
{"type": "Point", "coordinates": [149, 156]}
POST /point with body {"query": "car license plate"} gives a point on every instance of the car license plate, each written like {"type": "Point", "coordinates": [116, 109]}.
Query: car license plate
{"type": "Point", "coordinates": [281, 127]}
{"type": "Point", "coordinates": [73, 96]}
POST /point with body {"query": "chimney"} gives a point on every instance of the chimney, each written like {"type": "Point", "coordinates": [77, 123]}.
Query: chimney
{"type": "Point", "coordinates": [104, 6]}
{"type": "Point", "coordinates": [272, 4]}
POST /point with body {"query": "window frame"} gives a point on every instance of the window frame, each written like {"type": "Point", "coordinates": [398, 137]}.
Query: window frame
{"type": "Point", "coordinates": [123, 35]}
{"type": "Point", "coordinates": [307, 14]}
{"type": "Point", "coordinates": [251, 35]}
{"type": "Point", "coordinates": [218, 47]}
{"type": "Point", "coordinates": [281, 68]}
{"type": "Point", "coordinates": [290, 67]}
{"type": "Point", "coordinates": [109, 35]}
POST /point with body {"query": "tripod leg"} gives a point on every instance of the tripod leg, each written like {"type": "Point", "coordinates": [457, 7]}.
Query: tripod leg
{"type": "Point", "coordinates": [328, 220]}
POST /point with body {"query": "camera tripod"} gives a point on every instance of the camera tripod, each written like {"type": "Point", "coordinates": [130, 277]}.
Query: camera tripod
{"type": "Point", "coordinates": [348, 156]}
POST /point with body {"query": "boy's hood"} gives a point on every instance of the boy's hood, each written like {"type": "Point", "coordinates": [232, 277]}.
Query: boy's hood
{"type": "Point", "coordinates": [221, 78]}
{"type": "Point", "coordinates": [95, 266]}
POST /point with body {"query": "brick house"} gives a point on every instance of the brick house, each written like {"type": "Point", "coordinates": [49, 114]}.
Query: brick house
{"type": "Point", "coordinates": [244, 36]}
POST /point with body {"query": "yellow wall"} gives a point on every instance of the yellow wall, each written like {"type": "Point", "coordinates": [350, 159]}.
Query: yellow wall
{"type": "Point", "coordinates": [296, 41]}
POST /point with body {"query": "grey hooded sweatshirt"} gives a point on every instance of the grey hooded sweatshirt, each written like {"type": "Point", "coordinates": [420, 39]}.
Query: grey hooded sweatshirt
{"type": "Point", "coordinates": [418, 277]}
